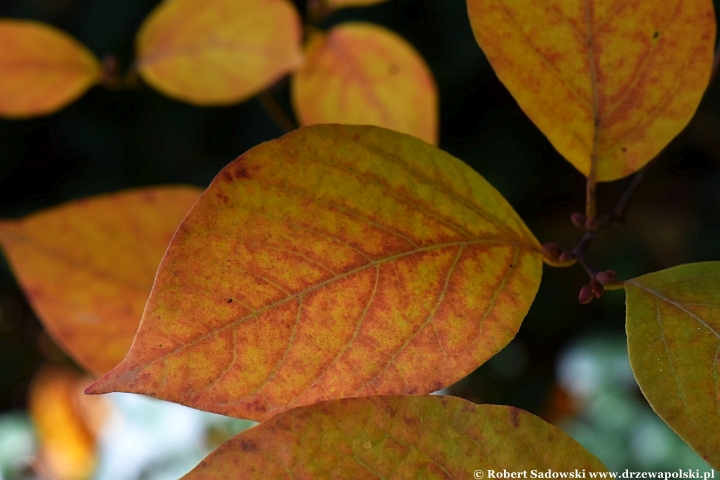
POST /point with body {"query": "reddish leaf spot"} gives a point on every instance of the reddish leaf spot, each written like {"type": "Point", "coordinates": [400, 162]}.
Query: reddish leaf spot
{"type": "Point", "coordinates": [514, 416]}
{"type": "Point", "coordinates": [226, 176]}
{"type": "Point", "coordinates": [248, 446]}
{"type": "Point", "coordinates": [241, 170]}
{"type": "Point", "coordinates": [410, 420]}
{"type": "Point", "coordinates": [223, 198]}
{"type": "Point", "coordinates": [258, 406]}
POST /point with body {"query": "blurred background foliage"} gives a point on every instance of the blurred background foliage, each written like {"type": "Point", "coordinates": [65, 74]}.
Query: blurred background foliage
{"type": "Point", "coordinates": [568, 364]}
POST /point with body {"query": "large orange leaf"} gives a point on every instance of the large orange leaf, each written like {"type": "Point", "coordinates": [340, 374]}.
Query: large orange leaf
{"type": "Point", "coordinates": [87, 267]}
{"type": "Point", "coordinates": [42, 69]}
{"type": "Point", "coordinates": [673, 328]}
{"type": "Point", "coordinates": [359, 73]}
{"type": "Point", "coordinates": [336, 261]}
{"type": "Point", "coordinates": [609, 82]}
{"type": "Point", "coordinates": [220, 51]}
{"type": "Point", "coordinates": [397, 437]}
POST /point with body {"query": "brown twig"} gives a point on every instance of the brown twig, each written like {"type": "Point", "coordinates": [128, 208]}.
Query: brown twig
{"type": "Point", "coordinates": [281, 118]}
{"type": "Point", "coordinates": [110, 75]}
{"type": "Point", "coordinates": [617, 214]}
{"type": "Point", "coordinates": [316, 11]}
{"type": "Point", "coordinates": [579, 252]}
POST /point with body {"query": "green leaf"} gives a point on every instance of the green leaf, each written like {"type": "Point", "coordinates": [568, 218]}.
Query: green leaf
{"type": "Point", "coordinates": [673, 329]}
{"type": "Point", "coordinates": [396, 437]}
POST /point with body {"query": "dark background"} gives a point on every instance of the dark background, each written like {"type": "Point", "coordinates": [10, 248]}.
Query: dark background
{"type": "Point", "coordinates": [112, 140]}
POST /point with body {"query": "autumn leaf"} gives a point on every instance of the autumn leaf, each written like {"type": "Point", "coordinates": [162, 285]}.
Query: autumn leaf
{"type": "Point", "coordinates": [87, 267]}
{"type": "Point", "coordinates": [609, 83]}
{"type": "Point", "coordinates": [336, 261]}
{"type": "Point", "coordinates": [396, 437]}
{"type": "Point", "coordinates": [42, 69]}
{"type": "Point", "coordinates": [218, 52]}
{"type": "Point", "coordinates": [66, 422]}
{"type": "Point", "coordinates": [364, 74]}
{"type": "Point", "coordinates": [673, 328]}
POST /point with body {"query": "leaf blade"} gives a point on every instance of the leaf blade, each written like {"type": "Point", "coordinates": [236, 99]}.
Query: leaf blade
{"type": "Point", "coordinates": [87, 266]}
{"type": "Point", "coordinates": [372, 257]}
{"type": "Point", "coordinates": [616, 103]}
{"type": "Point", "coordinates": [396, 437]}
{"type": "Point", "coordinates": [673, 327]}
{"type": "Point", "coordinates": [220, 52]}
{"type": "Point", "coordinates": [364, 74]}
{"type": "Point", "coordinates": [42, 69]}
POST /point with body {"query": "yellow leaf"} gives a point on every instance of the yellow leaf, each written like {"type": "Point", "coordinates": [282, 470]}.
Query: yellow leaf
{"type": "Point", "coordinates": [66, 423]}
{"type": "Point", "coordinates": [336, 261]}
{"type": "Point", "coordinates": [42, 69]}
{"type": "Point", "coordinates": [220, 51]}
{"type": "Point", "coordinates": [361, 73]}
{"type": "Point", "coordinates": [673, 328]}
{"type": "Point", "coordinates": [87, 267]}
{"type": "Point", "coordinates": [610, 83]}
{"type": "Point", "coordinates": [397, 437]}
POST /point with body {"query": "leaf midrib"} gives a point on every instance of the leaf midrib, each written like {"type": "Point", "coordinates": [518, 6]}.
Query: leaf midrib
{"type": "Point", "coordinates": [153, 301]}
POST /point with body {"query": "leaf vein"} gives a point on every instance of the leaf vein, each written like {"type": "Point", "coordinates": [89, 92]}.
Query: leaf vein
{"type": "Point", "coordinates": [645, 63]}
{"type": "Point", "coordinates": [428, 320]}
{"type": "Point", "coordinates": [347, 345]}
{"type": "Point", "coordinates": [282, 301]}
{"type": "Point", "coordinates": [672, 367]}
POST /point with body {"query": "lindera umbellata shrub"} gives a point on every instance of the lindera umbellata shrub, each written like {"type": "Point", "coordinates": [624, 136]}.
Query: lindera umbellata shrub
{"type": "Point", "coordinates": [327, 281]}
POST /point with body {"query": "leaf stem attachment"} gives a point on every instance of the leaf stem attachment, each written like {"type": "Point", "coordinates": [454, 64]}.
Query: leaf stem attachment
{"type": "Point", "coordinates": [556, 256]}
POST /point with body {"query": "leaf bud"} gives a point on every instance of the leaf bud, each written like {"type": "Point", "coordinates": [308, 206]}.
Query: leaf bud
{"type": "Point", "coordinates": [552, 249]}
{"type": "Point", "coordinates": [566, 256]}
{"type": "Point", "coordinates": [578, 219]}
{"type": "Point", "coordinates": [606, 277]}
{"type": "Point", "coordinates": [586, 295]}
{"type": "Point", "coordinates": [591, 224]}
{"type": "Point", "coordinates": [596, 288]}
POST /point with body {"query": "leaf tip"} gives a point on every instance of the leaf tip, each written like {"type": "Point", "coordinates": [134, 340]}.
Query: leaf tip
{"type": "Point", "coordinates": [91, 389]}
{"type": "Point", "coordinates": [98, 387]}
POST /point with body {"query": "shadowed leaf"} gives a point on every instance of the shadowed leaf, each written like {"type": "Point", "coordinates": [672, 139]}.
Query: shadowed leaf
{"type": "Point", "coordinates": [335, 261]}
{"type": "Point", "coordinates": [218, 52]}
{"type": "Point", "coordinates": [66, 422]}
{"type": "Point", "coordinates": [609, 82]}
{"type": "Point", "coordinates": [87, 267]}
{"type": "Point", "coordinates": [42, 69]}
{"type": "Point", "coordinates": [364, 74]}
{"type": "Point", "coordinates": [396, 437]}
{"type": "Point", "coordinates": [673, 328]}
